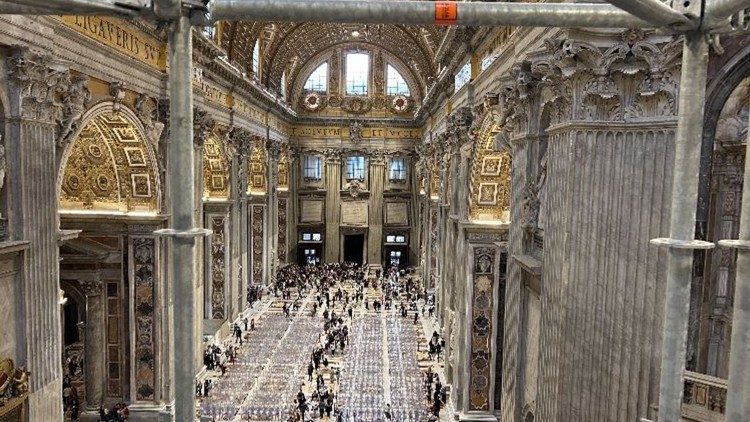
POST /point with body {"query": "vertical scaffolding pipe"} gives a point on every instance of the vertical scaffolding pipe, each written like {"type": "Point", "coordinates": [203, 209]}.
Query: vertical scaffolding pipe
{"type": "Point", "coordinates": [682, 224]}
{"type": "Point", "coordinates": [738, 391]}
{"type": "Point", "coordinates": [181, 178]}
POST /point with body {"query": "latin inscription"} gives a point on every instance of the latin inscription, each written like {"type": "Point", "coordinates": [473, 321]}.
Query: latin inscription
{"type": "Point", "coordinates": [125, 39]}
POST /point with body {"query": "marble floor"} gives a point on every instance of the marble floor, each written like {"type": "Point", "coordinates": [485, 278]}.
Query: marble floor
{"type": "Point", "coordinates": [384, 363]}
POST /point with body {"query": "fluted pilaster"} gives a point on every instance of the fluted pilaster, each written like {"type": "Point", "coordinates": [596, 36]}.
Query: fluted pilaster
{"type": "Point", "coordinates": [375, 233]}
{"type": "Point", "coordinates": [333, 189]}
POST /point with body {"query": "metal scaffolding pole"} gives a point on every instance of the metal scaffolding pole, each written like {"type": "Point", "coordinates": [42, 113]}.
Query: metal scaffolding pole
{"type": "Point", "coordinates": [75, 7]}
{"type": "Point", "coordinates": [681, 241]}
{"type": "Point", "coordinates": [181, 261]}
{"type": "Point", "coordinates": [561, 15]}
{"type": "Point", "coordinates": [653, 11]}
{"type": "Point", "coordinates": [721, 9]}
{"type": "Point", "coordinates": [738, 391]}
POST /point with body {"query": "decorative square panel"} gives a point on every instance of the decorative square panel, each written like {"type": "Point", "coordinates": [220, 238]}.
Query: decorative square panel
{"type": "Point", "coordinates": [135, 157]}
{"type": "Point", "coordinates": [487, 194]}
{"type": "Point", "coordinates": [491, 165]}
{"type": "Point", "coordinates": [141, 185]}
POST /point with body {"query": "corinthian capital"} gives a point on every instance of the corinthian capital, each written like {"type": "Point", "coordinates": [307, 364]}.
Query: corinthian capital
{"type": "Point", "coordinates": [37, 79]}
{"type": "Point", "coordinates": [242, 140]}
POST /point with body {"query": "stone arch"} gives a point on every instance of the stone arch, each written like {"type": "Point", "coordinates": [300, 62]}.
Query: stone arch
{"type": "Point", "coordinates": [489, 181]}
{"type": "Point", "coordinates": [110, 166]}
{"type": "Point", "coordinates": [216, 168]}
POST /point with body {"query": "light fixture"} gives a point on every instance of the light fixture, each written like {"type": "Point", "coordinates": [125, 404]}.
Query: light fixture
{"type": "Point", "coordinates": [61, 299]}
{"type": "Point", "coordinates": [355, 34]}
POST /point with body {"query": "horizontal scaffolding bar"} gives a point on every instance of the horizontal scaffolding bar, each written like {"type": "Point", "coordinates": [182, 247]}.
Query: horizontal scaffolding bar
{"type": "Point", "coordinates": [654, 11]}
{"type": "Point", "coordinates": [561, 15]}
{"type": "Point", "coordinates": [717, 10]}
{"type": "Point", "coordinates": [74, 7]}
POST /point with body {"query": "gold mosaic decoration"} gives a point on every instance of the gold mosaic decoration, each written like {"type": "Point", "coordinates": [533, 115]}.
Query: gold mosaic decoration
{"type": "Point", "coordinates": [215, 169]}
{"type": "Point", "coordinates": [490, 177]}
{"type": "Point", "coordinates": [110, 168]}
{"type": "Point", "coordinates": [256, 175]}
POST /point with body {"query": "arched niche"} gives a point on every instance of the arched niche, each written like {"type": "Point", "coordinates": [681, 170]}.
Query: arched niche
{"type": "Point", "coordinates": [490, 175]}
{"type": "Point", "coordinates": [216, 166]}
{"type": "Point", "coordinates": [109, 167]}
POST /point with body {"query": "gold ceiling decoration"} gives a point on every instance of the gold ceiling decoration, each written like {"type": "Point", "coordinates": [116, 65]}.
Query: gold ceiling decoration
{"type": "Point", "coordinates": [490, 176]}
{"type": "Point", "coordinates": [256, 183]}
{"type": "Point", "coordinates": [110, 168]}
{"type": "Point", "coordinates": [287, 47]}
{"type": "Point", "coordinates": [215, 169]}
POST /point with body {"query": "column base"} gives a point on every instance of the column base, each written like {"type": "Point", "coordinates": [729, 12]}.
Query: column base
{"type": "Point", "coordinates": [477, 417]}
{"type": "Point", "coordinates": [150, 412]}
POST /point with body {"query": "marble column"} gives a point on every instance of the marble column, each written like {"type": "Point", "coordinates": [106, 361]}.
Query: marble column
{"type": "Point", "coordinates": [203, 124]}
{"type": "Point", "coordinates": [272, 198]}
{"type": "Point", "coordinates": [34, 81]}
{"type": "Point", "coordinates": [94, 342]}
{"type": "Point", "coordinates": [242, 141]}
{"type": "Point", "coordinates": [333, 193]}
{"type": "Point", "coordinates": [375, 232]}
{"type": "Point", "coordinates": [293, 206]}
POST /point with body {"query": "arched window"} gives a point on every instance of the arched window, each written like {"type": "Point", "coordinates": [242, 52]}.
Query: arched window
{"type": "Point", "coordinates": [256, 58]}
{"type": "Point", "coordinates": [318, 80]}
{"type": "Point", "coordinates": [282, 86]}
{"type": "Point", "coordinates": [357, 73]}
{"type": "Point", "coordinates": [463, 76]}
{"type": "Point", "coordinates": [396, 84]}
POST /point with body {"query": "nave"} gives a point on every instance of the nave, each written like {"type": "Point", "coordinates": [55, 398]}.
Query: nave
{"type": "Point", "coordinates": [298, 361]}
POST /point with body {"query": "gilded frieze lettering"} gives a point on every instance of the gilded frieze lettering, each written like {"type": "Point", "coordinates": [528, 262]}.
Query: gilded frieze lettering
{"type": "Point", "coordinates": [122, 37]}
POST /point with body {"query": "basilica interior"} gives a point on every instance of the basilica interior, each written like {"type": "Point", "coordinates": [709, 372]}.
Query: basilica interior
{"type": "Point", "coordinates": [549, 205]}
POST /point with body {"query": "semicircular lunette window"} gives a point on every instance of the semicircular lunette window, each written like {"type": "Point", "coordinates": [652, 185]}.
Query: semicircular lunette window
{"type": "Point", "coordinates": [396, 84]}
{"type": "Point", "coordinates": [318, 80]}
{"type": "Point", "coordinates": [215, 170]}
{"type": "Point", "coordinates": [110, 168]}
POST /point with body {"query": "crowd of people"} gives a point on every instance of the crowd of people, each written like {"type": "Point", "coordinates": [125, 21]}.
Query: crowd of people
{"type": "Point", "coordinates": [333, 292]}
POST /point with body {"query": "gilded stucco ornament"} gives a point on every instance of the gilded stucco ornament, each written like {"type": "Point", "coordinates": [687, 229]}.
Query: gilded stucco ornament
{"type": "Point", "coordinates": [400, 104]}
{"type": "Point", "coordinates": [313, 101]}
{"type": "Point", "coordinates": [356, 105]}
{"type": "Point", "coordinates": [355, 131]}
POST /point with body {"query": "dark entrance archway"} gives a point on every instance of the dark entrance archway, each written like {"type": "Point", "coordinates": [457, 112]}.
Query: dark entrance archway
{"type": "Point", "coordinates": [354, 247]}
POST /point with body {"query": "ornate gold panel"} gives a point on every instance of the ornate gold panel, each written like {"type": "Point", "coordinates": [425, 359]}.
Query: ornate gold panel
{"type": "Point", "coordinates": [215, 169]}
{"type": "Point", "coordinates": [110, 167]}
{"type": "Point", "coordinates": [490, 177]}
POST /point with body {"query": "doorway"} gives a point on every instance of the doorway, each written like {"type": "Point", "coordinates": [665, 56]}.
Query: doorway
{"type": "Point", "coordinates": [396, 256]}
{"type": "Point", "coordinates": [308, 254]}
{"type": "Point", "coordinates": [354, 248]}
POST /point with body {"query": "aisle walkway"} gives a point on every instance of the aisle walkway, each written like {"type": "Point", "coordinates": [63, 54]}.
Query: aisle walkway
{"type": "Point", "coordinates": [380, 366]}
